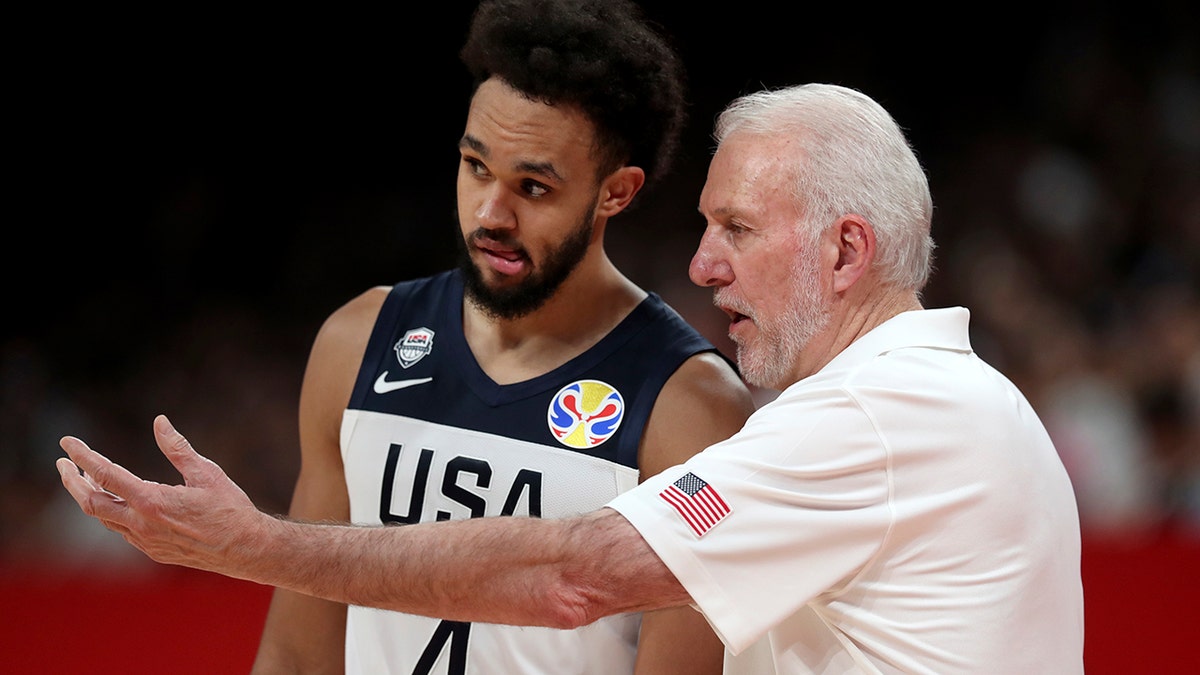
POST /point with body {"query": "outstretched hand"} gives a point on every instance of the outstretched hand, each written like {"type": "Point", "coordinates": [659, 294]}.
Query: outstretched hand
{"type": "Point", "coordinates": [207, 523]}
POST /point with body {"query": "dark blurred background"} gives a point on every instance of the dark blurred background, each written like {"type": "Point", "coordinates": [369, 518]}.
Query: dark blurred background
{"type": "Point", "coordinates": [192, 192]}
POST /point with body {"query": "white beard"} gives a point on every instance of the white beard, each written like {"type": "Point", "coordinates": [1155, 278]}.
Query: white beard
{"type": "Point", "coordinates": [771, 358]}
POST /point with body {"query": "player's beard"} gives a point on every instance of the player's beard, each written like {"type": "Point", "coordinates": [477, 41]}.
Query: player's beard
{"type": "Point", "coordinates": [771, 358]}
{"type": "Point", "coordinates": [513, 302]}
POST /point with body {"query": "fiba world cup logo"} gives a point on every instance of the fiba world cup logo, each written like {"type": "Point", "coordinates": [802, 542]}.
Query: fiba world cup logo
{"type": "Point", "coordinates": [585, 413]}
{"type": "Point", "coordinates": [413, 347]}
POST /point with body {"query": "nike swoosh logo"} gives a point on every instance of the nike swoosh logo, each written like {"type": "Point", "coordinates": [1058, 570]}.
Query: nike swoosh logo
{"type": "Point", "coordinates": [382, 386]}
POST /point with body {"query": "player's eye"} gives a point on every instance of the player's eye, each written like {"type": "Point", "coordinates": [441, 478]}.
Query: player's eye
{"type": "Point", "coordinates": [535, 189]}
{"type": "Point", "coordinates": [475, 166]}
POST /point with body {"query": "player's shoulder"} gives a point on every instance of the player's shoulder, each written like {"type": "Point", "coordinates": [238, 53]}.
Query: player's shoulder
{"type": "Point", "coordinates": [705, 390]}
{"type": "Point", "coordinates": [706, 381]}
{"type": "Point", "coordinates": [348, 327]}
{"type": "Point", "coordinates": [704, 401]}
{"type": "Point", "coordinates": [362, 308]}
{"type": "Point", "coordinates": [711, 379]}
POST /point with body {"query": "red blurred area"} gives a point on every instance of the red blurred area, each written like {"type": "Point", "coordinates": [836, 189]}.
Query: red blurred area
{"type": "Point", "coordinates": [1140, 602]}
{"type": "Point", "coordinates": [164, 620]}
{"type": "Point", "coordinates": [1141, 598]}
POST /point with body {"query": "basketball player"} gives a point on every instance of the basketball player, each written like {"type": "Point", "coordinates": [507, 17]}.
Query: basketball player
{"type": "Point", "coordinates": [535, 379]}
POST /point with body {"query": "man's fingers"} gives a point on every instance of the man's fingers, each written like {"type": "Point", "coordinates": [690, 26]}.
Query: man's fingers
{"type": "Point", "coordinates": [179, 451]}
{"type": "Point", "coordinates": [80, 489]}
{"type": "Point", "coordinates": [92, 499]}
{"type": "Point", "coordinates": [102, 472]}
{"type": "Point", "coordinates": [91, 482]}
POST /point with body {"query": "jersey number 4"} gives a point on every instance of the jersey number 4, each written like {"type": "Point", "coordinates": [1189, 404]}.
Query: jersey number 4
{"type": "Point", "coordinates": [454, 632]}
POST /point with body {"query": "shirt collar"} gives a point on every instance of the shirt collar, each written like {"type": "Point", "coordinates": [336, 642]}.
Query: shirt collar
{"type": "Point", "coordinates": [945, 328]}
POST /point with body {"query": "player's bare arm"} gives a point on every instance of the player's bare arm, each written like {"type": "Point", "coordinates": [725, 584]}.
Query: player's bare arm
{"type": "Point", "coordinates": [704, 402]}
{"type": "Point", "coordinates": [303, 634]}
{"type": "Point", "coordinates": [561, 573]}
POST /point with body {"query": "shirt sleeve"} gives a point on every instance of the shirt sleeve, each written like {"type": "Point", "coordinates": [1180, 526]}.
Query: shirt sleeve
{"type": "Point", "coordinates": [789, 508]}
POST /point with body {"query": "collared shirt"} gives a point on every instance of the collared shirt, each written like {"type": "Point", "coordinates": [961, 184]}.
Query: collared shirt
{"type": "Point", "coordinates": [901, 510]}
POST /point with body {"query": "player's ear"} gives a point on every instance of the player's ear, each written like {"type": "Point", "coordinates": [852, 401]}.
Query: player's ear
{"type": "Point", "coordinates": [618, 190]}
{"type": "Point", "coordinates": [855, 241]}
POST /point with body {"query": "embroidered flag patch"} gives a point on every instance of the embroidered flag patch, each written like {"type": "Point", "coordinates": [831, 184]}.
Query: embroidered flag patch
{"type": "Point", "coordinates": [697, 501]}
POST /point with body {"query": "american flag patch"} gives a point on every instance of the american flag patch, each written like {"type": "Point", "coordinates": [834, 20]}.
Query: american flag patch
{"type": "Point", "coordinates": [697, 501]}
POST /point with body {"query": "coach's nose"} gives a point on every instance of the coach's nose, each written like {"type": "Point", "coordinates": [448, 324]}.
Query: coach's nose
{"type": "Point", "coordinates": [710, 266]}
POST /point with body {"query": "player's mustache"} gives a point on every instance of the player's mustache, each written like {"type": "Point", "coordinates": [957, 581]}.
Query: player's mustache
{"type": "Point", "coordinates": [503, 239]}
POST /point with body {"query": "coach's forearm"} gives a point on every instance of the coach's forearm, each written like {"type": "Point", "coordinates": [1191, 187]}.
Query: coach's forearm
{"type": "Point", "coordinates": [517, 570]}
{"type": "Point", "coordinates": [513, 570]}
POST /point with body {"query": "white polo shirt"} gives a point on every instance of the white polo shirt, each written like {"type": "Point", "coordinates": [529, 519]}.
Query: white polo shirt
{"type": "Point", "coordinates": [901, 510]}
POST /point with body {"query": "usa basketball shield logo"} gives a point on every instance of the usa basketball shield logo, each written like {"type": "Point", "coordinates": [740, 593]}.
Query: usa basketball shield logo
{"type": "Point", "coordinates": [585, 413]}
{"type": "Point", "coordinates": [413, 347]}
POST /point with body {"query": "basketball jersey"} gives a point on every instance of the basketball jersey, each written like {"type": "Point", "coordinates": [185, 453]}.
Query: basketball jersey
{"type": "Point", "coordinates": [428, 436]}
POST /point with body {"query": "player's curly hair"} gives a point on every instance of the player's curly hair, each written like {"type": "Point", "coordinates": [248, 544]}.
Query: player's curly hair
{"type": "Point", "coordinates": [602, 56]}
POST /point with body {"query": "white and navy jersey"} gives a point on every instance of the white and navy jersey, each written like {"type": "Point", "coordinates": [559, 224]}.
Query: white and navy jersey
{"type": "Point", "coordinates": [428, 436]}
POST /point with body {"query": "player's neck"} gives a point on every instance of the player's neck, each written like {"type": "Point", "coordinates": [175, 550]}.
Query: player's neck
{"type": "Point", "coordinates": [589, 304]}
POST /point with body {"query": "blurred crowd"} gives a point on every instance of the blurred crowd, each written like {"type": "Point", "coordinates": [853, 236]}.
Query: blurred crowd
{"type": "Point", "coordinates": [1072, 233]}
{"type": "Point", "coordinates": [1076, 244]}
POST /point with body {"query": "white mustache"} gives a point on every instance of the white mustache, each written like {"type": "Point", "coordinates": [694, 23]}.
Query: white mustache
{"type": "Point", "coordinates": [723, 300]}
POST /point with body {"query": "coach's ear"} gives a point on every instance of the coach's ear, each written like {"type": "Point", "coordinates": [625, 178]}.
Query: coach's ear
{"type": "Point", "coordinates": [619, 189]}
{"type": "Point", "coordinates": [855, 241]}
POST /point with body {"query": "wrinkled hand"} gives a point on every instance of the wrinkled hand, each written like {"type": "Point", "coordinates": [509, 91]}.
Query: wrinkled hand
{"type": "Point", "coordinates": [208, 522]}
